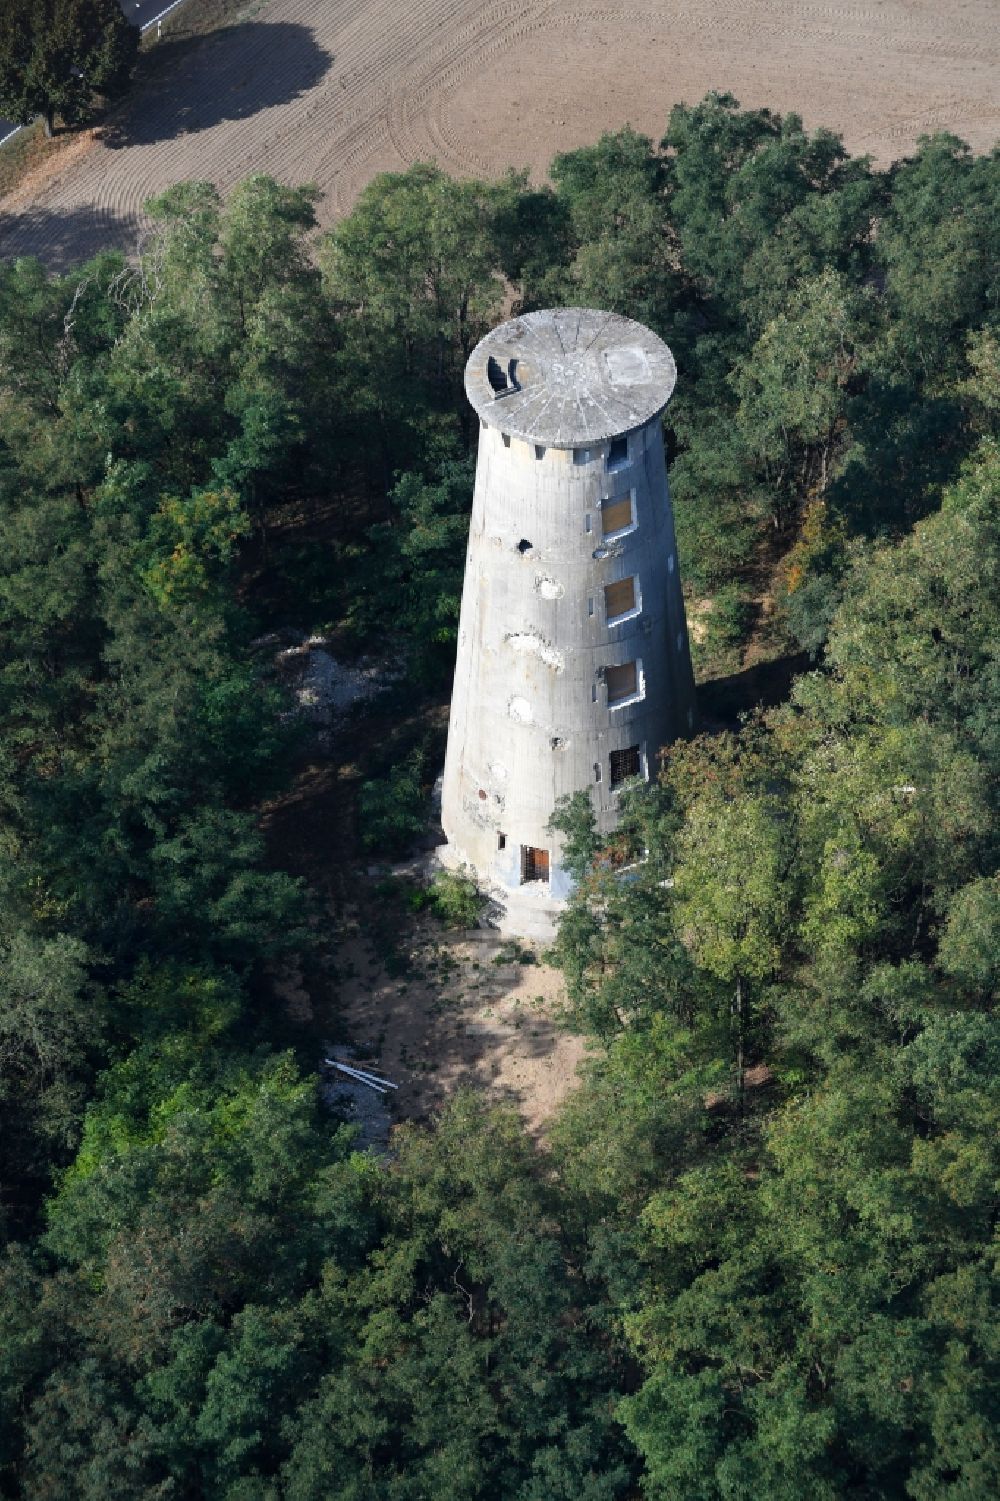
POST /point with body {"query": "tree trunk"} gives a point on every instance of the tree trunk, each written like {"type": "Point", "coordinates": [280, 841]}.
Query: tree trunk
{"type": "Point", "coordinates": [738, 1018]}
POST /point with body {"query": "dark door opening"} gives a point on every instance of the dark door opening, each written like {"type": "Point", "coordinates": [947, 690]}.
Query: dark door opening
{"type": "Point", "coordinates": [534, 864]}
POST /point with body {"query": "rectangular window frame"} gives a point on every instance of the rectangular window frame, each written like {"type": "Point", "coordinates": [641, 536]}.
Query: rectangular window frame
{"type": "Point", "coordinates": [615, 784]}
{"type": "Point", "coordinates": [630, 525]}
{"type": "Point", "coordinates": [638, 693]}
{"type": "Point", "coordinates": [633, 610]}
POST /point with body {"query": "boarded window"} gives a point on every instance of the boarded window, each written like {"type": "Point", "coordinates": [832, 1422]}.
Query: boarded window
{"type": "Point", "coordinates": [624, 764]}
{"type": "Point", "coordinates": [534, 864]}
{"type": "Point", "coordinates": [619, 598]}
{"type": "Point", "coordinates": [623, 682]}
{"type": "Point", "coordinates": [616, 515]}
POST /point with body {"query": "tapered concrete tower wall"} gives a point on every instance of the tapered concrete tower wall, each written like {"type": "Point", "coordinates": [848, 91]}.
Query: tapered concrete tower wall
{"type": "Point", "coordinates": [573, 666]}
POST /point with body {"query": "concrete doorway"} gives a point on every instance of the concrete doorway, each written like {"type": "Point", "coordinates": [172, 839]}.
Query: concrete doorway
{"type": "Point", "coordinates": [534, 864]}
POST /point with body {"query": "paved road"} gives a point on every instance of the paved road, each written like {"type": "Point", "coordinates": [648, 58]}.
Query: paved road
{"type": "Point", "coordinates": [139, 12]}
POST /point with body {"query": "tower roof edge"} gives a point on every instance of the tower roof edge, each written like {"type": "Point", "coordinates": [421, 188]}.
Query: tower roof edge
{"type": "Point", "coordinates": [569, 377]}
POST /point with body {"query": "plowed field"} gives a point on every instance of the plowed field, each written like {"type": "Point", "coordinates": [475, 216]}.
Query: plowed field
{"type": "Point", "coordinates": [333, 91]}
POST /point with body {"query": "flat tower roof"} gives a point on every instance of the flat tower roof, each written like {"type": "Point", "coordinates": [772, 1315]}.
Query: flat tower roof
{"type": "Point", "coordinates": [568, 377]}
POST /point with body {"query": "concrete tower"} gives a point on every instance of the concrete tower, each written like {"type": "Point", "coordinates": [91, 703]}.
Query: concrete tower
{"type": "Point", "coordinates": [573, 666]}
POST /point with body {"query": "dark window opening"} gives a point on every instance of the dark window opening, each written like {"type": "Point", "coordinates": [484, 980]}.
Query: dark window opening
{"type": "Point", "coordinates": [539, 451]}
{"type": "Point", "coordinates": [624, 764]}
{"type": "Point", "coordinates": [524, 546]}
{"type": "Point", "coordinates": [617, 452]}
{"type": "Point", "coordinates": [586, 522]}
{"type": "Point", "coordinates": [534, 864]}
{"type": "Point", "coordinates": [623, 682]}
{"type": "Point", "coordinates": [506, 439]}
{"type": "Point", "coordinates": [597, 771]}
{"type": "Point", "coordinates": [501, 841]}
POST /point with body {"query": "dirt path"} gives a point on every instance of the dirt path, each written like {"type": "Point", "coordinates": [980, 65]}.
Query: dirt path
{"type": "Point", "coordinates": [312, 90]}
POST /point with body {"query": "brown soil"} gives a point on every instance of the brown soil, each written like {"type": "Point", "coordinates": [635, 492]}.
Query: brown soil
{"type": "Point", "coordinates": [432, 1007]}
{"type": "Point", "coordinates": [311, 91]}
{"type": "Point", "coordinates": [460, 1009]}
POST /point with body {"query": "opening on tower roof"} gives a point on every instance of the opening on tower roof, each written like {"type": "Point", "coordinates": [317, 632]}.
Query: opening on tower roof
{"type": "Point", "coordinates": [496, 375]}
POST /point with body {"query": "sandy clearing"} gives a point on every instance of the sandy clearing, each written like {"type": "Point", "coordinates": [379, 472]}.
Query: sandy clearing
{"type": "Point", "coordinates": [461, 1011]}
{"type": "Point", "coordinates": [312, 90]}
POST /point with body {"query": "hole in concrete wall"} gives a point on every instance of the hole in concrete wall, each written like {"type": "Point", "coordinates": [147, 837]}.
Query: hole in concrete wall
{"type": "Point", "coordinates": [623, 682]}
{"type": "Point", "coordinates": [539, 451]}
{"type": "Point", "coordinates": [482, 794]}
{"type": "Point", "coordinates": [586, 522]}
{"type": "Point", "coordinates": [496, 374]}
{"type": "Point", "coordinates": [534, 864]}
{"type": "Point", "coordinates": [524, 546]}
{"type": "Point", "coordinates": [625, 763]}
{"type": "Point", "coordinates": [590, 607]}
{"type": "Point", "coordinates": [506, 439]}
{"type": "Point", "coordinates": [557, 742]}
{"type": "Point", "coordinates": [597, 771]}
{"type": "Point", "coordinates": [593, 693]}
{"type": "Point", "coordinates": [501, 841]}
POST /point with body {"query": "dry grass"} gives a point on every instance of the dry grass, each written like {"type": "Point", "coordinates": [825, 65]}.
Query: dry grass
{"type": "Point", "coordinates": [29, 152]}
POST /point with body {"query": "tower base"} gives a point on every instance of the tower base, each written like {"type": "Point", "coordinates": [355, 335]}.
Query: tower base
{"type": "Point", "coordinates": [527, 911]}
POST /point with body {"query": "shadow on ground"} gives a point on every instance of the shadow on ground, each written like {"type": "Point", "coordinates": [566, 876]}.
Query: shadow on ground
{"type": "Point", "coordinates": [722, 701]}
{"type": "Point", "coordinates": [65, 238]}
{"type": "Point", "coordinates": [194, 83]}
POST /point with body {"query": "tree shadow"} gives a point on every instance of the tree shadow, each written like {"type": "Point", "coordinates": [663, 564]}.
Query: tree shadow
{"type": "Point", "coordinates": [722, 701]}
{"type": "Point", "coordinates": [193, 83]}
{"type": "Point", "coordinates": [63, 238]}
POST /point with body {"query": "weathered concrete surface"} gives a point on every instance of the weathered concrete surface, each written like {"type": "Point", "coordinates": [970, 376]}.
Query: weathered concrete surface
{"type": "Point", "coordinates": [530, 715]}
{"type": "Point", "coordinates": [566, 377]}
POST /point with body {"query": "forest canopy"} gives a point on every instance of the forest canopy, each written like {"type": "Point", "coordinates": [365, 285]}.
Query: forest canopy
{"type": "Point", "coordinates": [759, 1254]}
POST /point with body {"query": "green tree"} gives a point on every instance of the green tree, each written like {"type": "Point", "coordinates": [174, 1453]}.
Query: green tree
{"type": "Point", "coordinates": [57, 55]}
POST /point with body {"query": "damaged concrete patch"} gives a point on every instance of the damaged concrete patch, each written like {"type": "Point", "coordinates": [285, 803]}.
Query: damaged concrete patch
{"type": "Point", "coordinates": [532, 641]}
